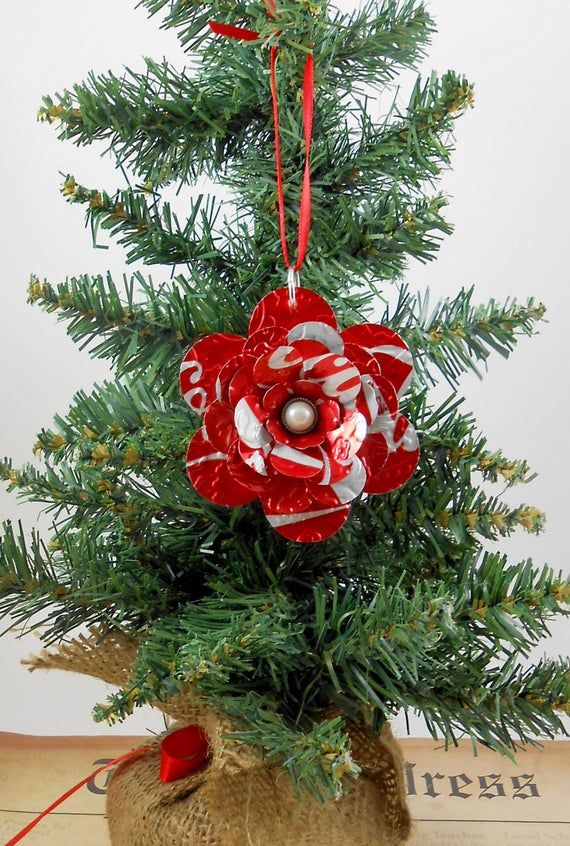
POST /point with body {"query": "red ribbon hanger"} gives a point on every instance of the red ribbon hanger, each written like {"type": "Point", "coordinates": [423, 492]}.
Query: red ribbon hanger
{"type": "Point", "coordinates": [181, 753]}
{"type": "Point", "coordinates": [243, 34]}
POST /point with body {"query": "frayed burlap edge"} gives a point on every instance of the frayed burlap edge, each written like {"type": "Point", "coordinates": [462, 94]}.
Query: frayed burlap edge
{"type": "Point", "coordinates": [110, 654]}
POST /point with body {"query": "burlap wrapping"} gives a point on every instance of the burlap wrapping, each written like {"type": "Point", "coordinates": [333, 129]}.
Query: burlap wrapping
{"type": "Point", "coordinates": [237, 798]}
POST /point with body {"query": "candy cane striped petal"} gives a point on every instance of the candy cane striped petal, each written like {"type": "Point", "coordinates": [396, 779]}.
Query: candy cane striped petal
{"type": "Point", "coordinates": [367, 399]}
{"type": "Point", "coordinates": [208, 472]}
{"type": "Point", "coordinates": [201, 366]}
{"type": "Point", "coordinates": [299, 463]}
{"type": "Point", "coordinates": [388, 348]}
{"type": "Point", "coordinates": [322, 333]}
{"type": "Point", "coordinates": [309, 526]}
{"type": "Point", "coordinates": [227, 373]}
{"type": "Point", "coordinates": [279, 365]}
{"type": "Point", "coordinates": [338, 378]}
{"type": "Point", "coordinates": [387, 401]}
{"type": "Point", "coordinates": [276, 309]}
{"type": "Point", "coordinates": [248, 467]}
{"type": "Point", "coordinates": [352, 486]}
{"type": "Point", "coordinates": [249, 419]}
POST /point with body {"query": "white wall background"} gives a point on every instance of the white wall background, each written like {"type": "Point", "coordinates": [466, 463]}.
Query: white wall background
{"type": "Point", "coordinates": [509, 203]}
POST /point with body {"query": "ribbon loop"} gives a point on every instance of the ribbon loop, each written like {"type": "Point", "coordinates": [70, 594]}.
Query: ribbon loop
{"type": "Point", "coordinates": [308, 109]}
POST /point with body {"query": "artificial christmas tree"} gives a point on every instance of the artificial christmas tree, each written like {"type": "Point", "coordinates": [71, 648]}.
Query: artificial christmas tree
{"type": "Point", "coordinates": [292, 653]}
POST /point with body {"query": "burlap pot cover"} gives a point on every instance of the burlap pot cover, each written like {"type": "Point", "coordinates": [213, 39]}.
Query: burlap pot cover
{"type": "Point", "coordinates": [256, 806]}
{"type": "Point", "coordinates": [236, 799]}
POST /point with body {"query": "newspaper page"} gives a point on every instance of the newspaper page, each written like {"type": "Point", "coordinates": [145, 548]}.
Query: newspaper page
{"type": "Point", "coordinates": [455, 798]}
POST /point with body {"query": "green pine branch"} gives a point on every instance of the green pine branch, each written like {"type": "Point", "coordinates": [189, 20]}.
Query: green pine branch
{"type": "Point", "coordinates": [376, 41]}
{"type": "Point", "coordinates": [163, 124]}
{"type": "Point", "coordinates": [411, 147]}
{"type": "Point", "coordinates": [455, 336]}
{"type": "Point", "coordinates": [149, 230]}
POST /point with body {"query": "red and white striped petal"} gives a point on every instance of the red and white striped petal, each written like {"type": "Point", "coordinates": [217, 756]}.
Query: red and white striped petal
{"type": "Point", "coordinates": [219, 425]}
{"type": "Point", "coordinates": [353, 484]}
{"type": "Point", "coordinates": [256, 459]}
{"type": "Point", "coordinates": [280, 365]}
{"type": "Point", "coordinates": [402, 450]}
{"type": "Point", "coordinates": [388, 348]}
{"type": "Point", "coordinates": [201, 366]}
{"type": "Point", "coordinates": [299, 463]}
{"type": "Point", "coordinates": [311, 526]}
{"type": "Point", "coordinates": [208, 471]}
{"type": "Point", "coordinates": [344, 490]}
{"type": "Point", "coordinates": [276, 309]}
{"type": "Point", "coordinates": [249, 419]}
{"type": "Point", "coordinates": [345, 441]}
{"type": "Point", "coordinates": [338, 378]}
{"type": "Point", "coordinates": [318, 332]}
{"type": "Point", "coordinates": [333, 471]}
{"type": "Point", "coordinates": [251, 469]}
{"type": "Point", "coordinates": [387, 399]}
{"type": "Point", "coordinates": [265, 340]}
{"type": "Point", "coordinates": [367, 399]}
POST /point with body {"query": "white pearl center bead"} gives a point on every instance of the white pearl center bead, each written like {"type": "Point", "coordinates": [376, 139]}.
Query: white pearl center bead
{"type": "Point", "coordinates": [299, 416]}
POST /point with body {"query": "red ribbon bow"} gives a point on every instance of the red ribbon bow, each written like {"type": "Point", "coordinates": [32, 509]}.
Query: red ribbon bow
{"type": "Point", "coordinates": [181, 753]}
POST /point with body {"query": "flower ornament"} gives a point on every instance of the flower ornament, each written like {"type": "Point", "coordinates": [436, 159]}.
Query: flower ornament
{"type": "Point", "coordinates": [299, 415]}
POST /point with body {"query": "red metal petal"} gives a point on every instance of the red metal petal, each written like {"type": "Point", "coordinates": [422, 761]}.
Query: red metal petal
{"type": "Point", "coordinates": [387, 398]}
{"type": "Point", "coordinates": [283, 436]}
{"type": "Point", "coordinates": [208, 471]}
{"type": "Point", "coordinates": [286, 495]}
{"type": "Point", "coordinates": [228, 372]}
{"type": "Point", "coordinates": [307, 389]}
{"type": "Point", "coordinates": [389, 349]}
{"type": "Point", "coordinates": [276, 309]}
{"type": "Point", "coordinates": [242, 384]}
{"type": "Point", "coordinates": [279, 365]}
{"type": "Point", "coordinates": [329, 415]}
{"type": "Point", "coordinates": [338, 378]}
{"type": "Point", "coordinates": [276, 397]}
{"type": "Point", "coordinates": [202, 364]}
{"type": "Point", "coordinates": [362, 359]}
{"type": "Point", "coordinates": [373, 453]}
{"type": "Point", "coordinates": [402, 449]}
{"type": "Point", "coordinates": [299, 463]}
{"type": "Point", "coordinates": [342, 490]}
{"type": "Point", "coordinates": [219, 425]}
{"type": "Point", "coordinates": [265, 340]}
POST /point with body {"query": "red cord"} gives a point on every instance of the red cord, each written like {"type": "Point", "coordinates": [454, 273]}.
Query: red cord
{"type": "Point", "coordinates": [308, 108]}
{"type": "Point", "coordinates": [31, 825]}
